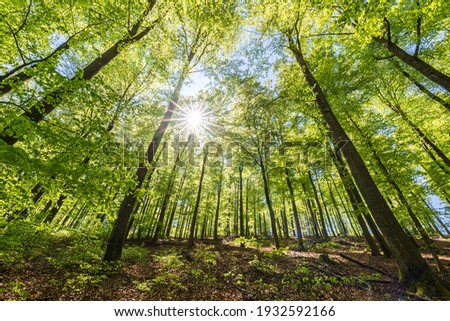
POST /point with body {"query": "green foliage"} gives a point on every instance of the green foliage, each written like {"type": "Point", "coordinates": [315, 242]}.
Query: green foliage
{"type": "Point", "coordinates": [75, 253]}
{"type": "Point", "coordinates": [17, 288]}
{"type": "Point", "coordinates": [23, 241]}
{"type": "Point", "coordinates": [134, 254]}
{"type": "Point", "coordinates": [169, 275]}
{"type": "Point", "coordinates": [326, 245]}
{"type": "Point", "coordinates": [247, 242]}
{"type": "Point", "coordinates": [277, 254]}
{"type": "Point", "coordinates": [262, 266]}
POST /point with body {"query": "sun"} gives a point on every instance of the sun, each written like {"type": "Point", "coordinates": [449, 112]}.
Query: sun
{"type": "Point", "coordinates": [194, 119]}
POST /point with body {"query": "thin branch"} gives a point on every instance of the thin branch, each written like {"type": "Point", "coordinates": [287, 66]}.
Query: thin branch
{"type": "Point", "coordinates": [26, 17]}
{"type": "Point", "coordinates": [331, 34]}
{"type": "Point", "coordinates": [16, 41]}
{"type": "Point", "coordinates": [384, 58]}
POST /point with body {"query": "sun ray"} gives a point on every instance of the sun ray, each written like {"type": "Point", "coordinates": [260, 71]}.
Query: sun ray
{"type": "Point", "coordinates": [195, 118]}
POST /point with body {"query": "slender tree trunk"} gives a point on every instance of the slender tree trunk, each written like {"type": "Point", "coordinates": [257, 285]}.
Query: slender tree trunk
{"type": "Point", "coordinates": [415, 273]}
{"type": "Point", "coordinates": [241, 205]}
{"type": "Point", "coordinates": [338, 214]}
{"type": "Point", "coordinates": [416, 63]}
{"type": "Point", "coordinates": [15, 77]}
{"type": "Point", "coordinates": [247, 233]}
{"type": "Point", "coordinates": [319, 207]}
{"type": "Point", "coordinates": [298, 228]}
{"type": "Point", "coordinates": [421, 87]}
{"type": "Point", "coordinates": [190, 242]}
{"type": "Point", "coordinates": [216, 216]}
{"type": "Point", "coordinates": [326, 210]}
{"type": "Point", "coordinates": [428, 144]}
{"type": "Point", "coordinates": [269, 205]}
{"type": "Point", "coordinates": [255, 222]}
{"type": "Point", "coordinates": [175, 204]}
{"type": "Point", "coordinates": [402, 198]}
{"type": "Point", "coordinates": [314, 224]}
{"type": "Point", "coordinates": [165, 204]}
{"type": "Point", "coordinates": [284, 219]}
{"type": "Point", "coordinates": [434, 215]}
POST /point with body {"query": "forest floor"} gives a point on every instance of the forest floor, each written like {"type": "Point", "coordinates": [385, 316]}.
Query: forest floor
{"type": "Point", "coordinates": [228, 271]}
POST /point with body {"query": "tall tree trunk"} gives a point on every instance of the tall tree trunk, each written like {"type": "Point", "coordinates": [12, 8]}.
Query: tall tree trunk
{"type": "Point", "coordinates": [338, 213]}
{"type": "Point", "coordinates": [298, 228]}
{"type": "Point", "coordinates": [269, 205]}
{"type": "Point", "coordinates": [216, 216]}
{"type": "Point", "coordinates": [165, 204]}
{"type": "Point", "coordinates": [241, 204]}
{"type": "Point", "coordinates": [319, 207]}
{"type": "Point", "coordinates": [415, 273]}
{"type": "Point", "coordinates": [190, 242]}
{"type": "Point", "coordinates": [284, 219]}
{"type": "Point", "coordinates": [326, 210]}
{"type": "Point", "coordinates": [175, 204]}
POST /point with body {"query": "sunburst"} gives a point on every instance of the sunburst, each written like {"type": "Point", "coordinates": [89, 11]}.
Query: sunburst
{"type": "Point", "coordinates": [195, 118]}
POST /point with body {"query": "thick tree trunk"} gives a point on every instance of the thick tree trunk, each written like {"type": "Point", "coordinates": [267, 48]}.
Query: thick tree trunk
{"type": "Point", "coordinates": [415, 273]}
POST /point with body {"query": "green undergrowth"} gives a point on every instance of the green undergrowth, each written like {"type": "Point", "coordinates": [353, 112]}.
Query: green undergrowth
{"type": "Point", "coordinates": [73, 256]}
{"type": "Point", "coordinates": [180, 275]}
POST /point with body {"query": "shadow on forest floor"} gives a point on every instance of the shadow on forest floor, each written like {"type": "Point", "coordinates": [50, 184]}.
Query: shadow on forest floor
{"type": "Point", "coordinates": [338, 269]}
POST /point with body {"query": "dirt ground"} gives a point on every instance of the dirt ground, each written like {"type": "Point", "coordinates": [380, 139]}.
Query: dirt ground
{"type": "Point", "coordinates": [340, 269]}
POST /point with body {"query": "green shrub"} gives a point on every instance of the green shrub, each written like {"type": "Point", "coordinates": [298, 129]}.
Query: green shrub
{"type": "Point", "coordinates": [133, 254]}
